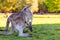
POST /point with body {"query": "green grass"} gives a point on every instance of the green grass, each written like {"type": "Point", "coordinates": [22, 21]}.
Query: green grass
{"type": "Point", "coordinates": [43, 29]}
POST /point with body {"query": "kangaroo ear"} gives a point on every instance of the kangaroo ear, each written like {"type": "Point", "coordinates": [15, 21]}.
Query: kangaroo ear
{"type": "Point", "coordinates": [27, 6]}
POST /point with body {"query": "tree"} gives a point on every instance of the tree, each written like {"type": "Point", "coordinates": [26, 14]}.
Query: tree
{"type": "Point", "coordinates": [52, 5]}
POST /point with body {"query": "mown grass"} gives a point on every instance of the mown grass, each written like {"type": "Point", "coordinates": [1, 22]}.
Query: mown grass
{"type": "Point", "coordinates": [43, 29]}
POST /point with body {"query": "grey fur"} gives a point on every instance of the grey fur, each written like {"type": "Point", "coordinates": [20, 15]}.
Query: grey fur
{"type": "Point", "coordinates": [19, 21]}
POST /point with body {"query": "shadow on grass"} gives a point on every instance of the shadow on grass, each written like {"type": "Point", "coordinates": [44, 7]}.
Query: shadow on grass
{"type": "Point", "coordinates": [46, 28]}
{"type": "Point", "coordinates": [42, 32]}
{"type": "Point", "coordinates": [46, 31]}
{"type": "Point", "coordinates": [42, 27]}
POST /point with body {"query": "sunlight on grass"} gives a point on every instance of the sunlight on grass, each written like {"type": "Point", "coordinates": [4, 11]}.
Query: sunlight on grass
{"type": "Point", "coordinates": [46, 20]}
{"type": "Point", "coordinates": [47, 16]}
{"type": "Point", "coordinates": [2, 21]}
{"type": "Point", "coordinates": [38, 19]}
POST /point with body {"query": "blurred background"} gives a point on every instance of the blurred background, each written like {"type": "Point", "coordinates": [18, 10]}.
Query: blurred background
{"type": "Point", "coordinates": [38, 6]}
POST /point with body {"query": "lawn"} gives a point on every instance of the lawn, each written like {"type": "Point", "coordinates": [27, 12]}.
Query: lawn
{"type": "Point", "coordinates": [45, 27]}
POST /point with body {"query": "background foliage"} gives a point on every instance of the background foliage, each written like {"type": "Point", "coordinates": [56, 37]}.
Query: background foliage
{"type": "Point", "coordinates": [37, 5]}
